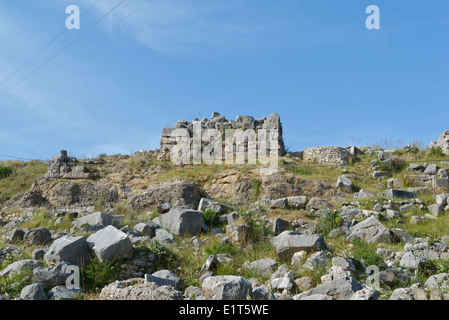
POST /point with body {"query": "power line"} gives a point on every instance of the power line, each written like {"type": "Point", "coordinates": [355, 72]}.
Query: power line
{"type": "Point", "coordinates": [110, 51]}
{"type": "Point", "coordinates": [18, 158]}
{"type": "Point", "coordinates": [64, 48]}
{"type": "Point", "coordinates": [45, 47]}
{"type": "Point", "coordinates": [88, 45]}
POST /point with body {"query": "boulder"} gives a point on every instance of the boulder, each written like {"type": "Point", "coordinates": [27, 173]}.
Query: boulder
{"type": "Point", "coordinates": [218, 207]}
{"type": "Point", "coordinates": [21, 266]}
{"type": "Point", "coordinates": [342, 288]}
{"type": "Point", "coordinates": [25, 200]}
{"type": "Point", "coordinates": [402, 236]}
{"type": "Point", "coordinates": [370, 230]}
{"type": "Point", "coordinates": [297, 202]}
{"type": "Point", "coordinates": [61, 292]}
{"type": "Point", "coordinates": [50, 277]}
{"type": "Point", "coordinates": [280, 203]}
{"type": "Point", "coordinates": [411, 261]}
{"type": "Point", "coordinates": [279, 225]}
{"type": "Point", "coordinates": [15, 235]}
{"type": "Point", "coordinates": [263, 267]}
{"type": "Point", "coordinates": [317, 260]}
{"type": "Point", "coordinates": [164, 207]}
{"type": "Point", "coordinates": [363, 194]}
{"type": "Point", "coordinates": [182, 221]}
{"type": "Point", "coordinates": [33, 291]}
{"type": "Point", "coordinates": [97, 219]}
{"type": "Point", "coordinates": [37, 237]}
{"type": "Point", "coordinates": [163, 236]}
{"type": "Point", "coordinates": [110, 244]}
{"type": "Point", "coordinates": [226, 288]}
{"type": "Point", "coordinates": [437, 281]}
{"type": "Point", "coordinates": [316, 203]}
{"type": "Point", "coordinates": [289, 242]}
{"type": "Point", "coordinates": [401, 294]}
{"type": "Point", "coordinates": [344, 184]}
{"type": "Point", "coordinates": [436, 209]}
{"type": "Point", "coordinates": [146, 229]}
{"type": "Point", "coordinates": [137, 289]}
{"type": "Point", "coordinates": [399, 194]}
{"type": "Point", "coordinates": [382, 174]}
{"type": "Point", "coordinates": [165, 278]}
{"type": "Point", "coordinates": [72, 249]}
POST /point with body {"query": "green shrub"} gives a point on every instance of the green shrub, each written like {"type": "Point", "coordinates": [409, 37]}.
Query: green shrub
{"type": "Point", "coordinates": [95, 274]}
{"type": "Point", "coordinates": [328, 222]}
{"type": "Point", "coordinates": [211, 218]}
{"type": "Point", "coordinates": [367, 253]}
{"type": "Point", "coordinates": [216, 247]}
{"type": "Point", "coordinates": [435, 152]}
{"type": "Point", "coordinates": [13, 285]}
{"type": "Point", "coordinates": [258, 229]}
{"type": "Point", "coordinates": [256, 188]}
{"type": "Point", "coordinates": [5, 171]}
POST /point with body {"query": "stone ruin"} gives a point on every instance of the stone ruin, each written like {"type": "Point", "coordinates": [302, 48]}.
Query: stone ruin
{"type": "Point", "coordinates": [64, 167]}
{"type": "Point", "coordinates": [336, 156]}
{"type": "Point", "coordinates": [219, 122]}
{"type": "Point", "coordinates": [443, 142]}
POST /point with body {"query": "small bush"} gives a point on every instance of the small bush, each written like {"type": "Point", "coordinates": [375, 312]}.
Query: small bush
{"type": "Point", "coordinates": [5, 171]}
{"type": "Point", "coordinates": [216, 247]}
{"type": "Point", "coordinates": [328, 222]}
{"type": "Point", "coordinates": [211, 218]}
{"type": "Point", "coordinates": [95, 274]}
{"type": "Point", "coordinates": [435, 152]}
{"type": "Point", "coordinates": [13, 285]}
{"type": "Point", "coordinates": [367, 253]}
{"type": "Point", "coordinates": [257, 227]}
{"type": "Point", "coordinates": [256, 188]}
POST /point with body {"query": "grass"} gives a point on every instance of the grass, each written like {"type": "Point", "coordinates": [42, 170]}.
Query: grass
{"type": "Point", "coordinates": [185, 260]}
{"type": "Point", "coordinates": [5, 171]}
{"type": "Point", "coordinates": [20, 178]}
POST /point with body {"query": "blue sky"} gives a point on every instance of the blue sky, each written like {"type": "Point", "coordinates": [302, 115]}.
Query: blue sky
{"type": "Point", "coordinates": [332, 81]}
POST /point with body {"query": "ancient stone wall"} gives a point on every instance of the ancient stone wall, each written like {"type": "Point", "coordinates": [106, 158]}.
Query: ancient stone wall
{"type": "Point", "coordinates": [327, 155]}
{"type": "Point", "coordinates": [219, 122]}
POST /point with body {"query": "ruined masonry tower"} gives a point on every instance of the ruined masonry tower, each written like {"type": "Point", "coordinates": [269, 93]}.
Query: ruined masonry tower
{"type": "Point", "coordinates": [219, 122]}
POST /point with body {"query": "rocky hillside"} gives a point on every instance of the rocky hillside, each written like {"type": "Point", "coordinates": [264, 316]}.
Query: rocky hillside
{"type": "Point", "coordinates": [332, 223]}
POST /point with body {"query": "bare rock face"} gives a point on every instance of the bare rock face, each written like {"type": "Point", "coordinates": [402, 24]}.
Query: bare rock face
{"type": "Point", "coordinates": [336, 156]}
{"type": "Point", "coordinates": [25, 200]}
{"type": "Point", "coordinates": [233, 185]}
{"type": "Point", "coordinates": [177, 192]}
{"type": "Point", "coordinates": [66, 193]}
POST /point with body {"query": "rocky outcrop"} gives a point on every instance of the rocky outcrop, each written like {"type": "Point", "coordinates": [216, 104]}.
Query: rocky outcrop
{"type": "Point", "coordinates": [178, 192]}
{"type": "Point", "coordinates": [138, 289]}
{"type": "Point", "coordinates": [67, 193]}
